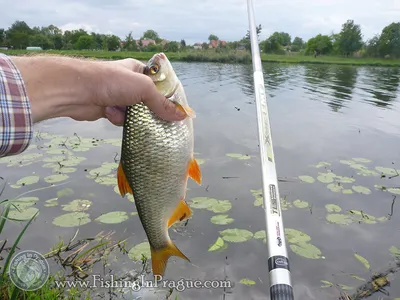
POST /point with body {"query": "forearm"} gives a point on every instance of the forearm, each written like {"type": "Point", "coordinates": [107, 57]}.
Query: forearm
{"type": "Point", "coordinates": [56, 85]}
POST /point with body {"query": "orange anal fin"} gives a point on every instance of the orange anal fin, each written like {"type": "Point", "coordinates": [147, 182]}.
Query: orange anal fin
{"type": "Point", "coordinates": [187, 110]}
{"type": "Point", "coordinates": [182, 212]}
{"type": "Point", "coordinates": [159, 257]}
{"type": "Point", "coordinates": [123, 184]}
{"type": "Point", "coordinates": [194, 171]}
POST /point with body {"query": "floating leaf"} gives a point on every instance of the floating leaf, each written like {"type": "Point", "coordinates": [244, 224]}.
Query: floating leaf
{"type": "Point", "coordinates": [362, 160]}
{"type": "Point", "coordinates": [367, 172]}
{"type": "Point", "coordinates": [259, 197]}
{"type": "Point", "coordinates": [296, 236]}
{"type": "Point", "coordinates": [306, 178]}
{"type": "Point", "coordinates": [77, 205]}
{"type": "Point", "coordinates": [306, 250]}
{"type": "Point", "coordinates": [222, 206]}
{"type": "Point", "coordinates": [51, 202]}
{"type": "Point", "coordinates": [141, 249]}
{"type": "Point", "coordinates": [365, 218]}
{"type": "Point", "coordinates": [358, 167]}
{"type": "Point", "coordinates": [340, 219]}
{"type": "Point", "coordinates": [221, 220]}
{"type": "Point", "coordinates": [362, 260]}
{"type": "Point", "coordinates": [203, 202]}
{"type": "Point", "coordinates": [238, 156]}
{"type": "Point", "coordinates": [347, 162]}
{"type": "Point", "coordinates": [65, 192]}
{"type": "Point", "coordinates": [334, 187]}
{"type": "Point", "coordinates": [394, 190]}
{"type": "Point", "coordinates": [344, 179]}
{"type": "Point", "coordinates": [380, 187]}
{"type": "Point", "coordinates": [333, 208]}
{"type": "Point", "coordinates": [322, 164]}
{"type": "Point", "coordinates": [347, 191]}
{"type": "Point", "coordinates": [114, 217]}
{"type": "Point", "coordinates": [107, 180]}
{"type": "Point", "coordinates": [236, 235]}
{"type": "Point", "coordinates": [67, 170]}
{"type": "Point", "coordinates": [261, 235]}
{"type": "Point", "coordinates": [247, 281]}
{"type": "Point", "coordinates": [219, 245]}
{"type": "Point", "coordinates": [395, 251]}
{"type": "Point", "coordinates": [386, 171]}
{"type": "Point", "coordinates": [200, 161]}
{"type": "Point", "coordinates": [24, 202]}
{"type": "Point", "coordinates": [72, 219]}
{"type": "Point", "coordinates": [22, 215]}
{"type": "Point", "coordinates": [326, 177]}
{"type": "Point", "coordinates": [28, 180]}
{"type": "Point", "coordinates": [56, 178]}
{"type": "Point", "coordinates": [300, 204]}
{"type": "Point", "coordinates": [361, 189]}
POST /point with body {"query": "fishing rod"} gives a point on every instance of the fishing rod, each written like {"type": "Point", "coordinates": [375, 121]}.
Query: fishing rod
{"type": "Point", "coordinates": [280, 286]}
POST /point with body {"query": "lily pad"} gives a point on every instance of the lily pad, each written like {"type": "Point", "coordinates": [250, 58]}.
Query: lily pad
{"type": "Point", "coordinates": [203, 202]}
{"type": "Point", "coordinates": [219, 245]}
{"type": "Point", "coordinates": [222, 220]}
{"type": "Point", "coordinates": [72, 219]}
{"type": "Point", "coordinates": [344, 179]}
{"type": "Point", "coordinates": [296, 236]}
{"type": "Point", "coordinates": [306, 178]}
{"type": "Point", "coordinates": [247, 281]}
{"type": "Point", "coordinates": [222, 206]}
{"type": "Point", "coordinates": [65, 192]}
{"type": "Point", "coordinates": [306, 250]}
{"type": "Point", "coordinates": [141, 249]}
{"type": "Point", "coordinates": [238, 156]}
{"type": "Point", "coordinates": [300, 204]}
{"type": "Point", "coordinates": [347, 191]}
{"type": "Point", "coordinates": [28, 180]}
{"type": "Point", "coordinates": [333, 208]}
{"type": "Point", "coordinates": [107, 180]}
{"type": "Point", "coordinates": [394, 190]}
{"type": "Point", "coordinates": [386, 171]}
{"type": "Point", "coordinates": [395, 251]}
{"type": "Point", "coordinates": [347, 162]}
{"type": "Point", "coordinates": [362, 160]}
{"type": "Point", "coordinates": [77, 205]}
{"type": "Point", "coordinates": [361, 189]}
{"type": "Point", "coordinates": [367, 172]}
{"type": "Point", "coordinates": [259, 197]}
{"type": "Point", "coordinates": [22, 215]}
{"type": "Point", "coordinates": [261, 235]}
{"type": "Point", "coordinates": [326, 177]}
{"type": "Point", "coordinates": [51, 202]}
{"type": "Point", "coordinates": [340, 219]}
{"type": "Point", "coordinates": [358, 167]}
{"type": "Point", "coordinates": [363, 261]}
{"type": "Point", "coordinates": [334, 187]}
{"type": "Point", "coordinates": [114, 217]}
{"type": "Point", "coordinates": [236, 235]}
{"type": "Point", "coordinates": [24, 202]}
{"type": "Point", "coordinates": [322, 164]}
{"type": "Point", "coordinates": [56, 178]}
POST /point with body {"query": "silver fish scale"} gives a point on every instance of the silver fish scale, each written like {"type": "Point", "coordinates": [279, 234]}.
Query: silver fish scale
{"type": "Point", "coordinates": [155, 156]}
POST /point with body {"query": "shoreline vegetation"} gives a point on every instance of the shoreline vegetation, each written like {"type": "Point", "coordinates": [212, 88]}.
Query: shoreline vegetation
{"type": "Point", "coordinates": [213, 55]}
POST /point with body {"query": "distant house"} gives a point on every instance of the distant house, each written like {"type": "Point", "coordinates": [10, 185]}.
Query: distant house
{"type": "Point", "coordinates": [216, 43]}
{"type": "Point", "coordinates": [145, 42]}
{"type": "Point", "coordinates": [34, 48]}
{"type": "Point", "coordinates": [198, 46]}
{"type": "Point", "coordinates": [3, 47]}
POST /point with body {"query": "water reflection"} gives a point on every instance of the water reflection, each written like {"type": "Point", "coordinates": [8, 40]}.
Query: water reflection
{"type": "Point", "coordinates": [343, 82]}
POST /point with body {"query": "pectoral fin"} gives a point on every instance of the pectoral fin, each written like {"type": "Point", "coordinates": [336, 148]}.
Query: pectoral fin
{"type": "Point", "coordinates": [194, 171]}
{"type": "Point", "coordinates": [187, 110]}
{"type": "Point", "coordinates": [123, 184]}
{"type": "Point", "coordinates": [182, 212]}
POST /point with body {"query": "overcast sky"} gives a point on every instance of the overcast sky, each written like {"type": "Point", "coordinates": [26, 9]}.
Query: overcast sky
{"type": "Point", "coordinates": [195, 20]}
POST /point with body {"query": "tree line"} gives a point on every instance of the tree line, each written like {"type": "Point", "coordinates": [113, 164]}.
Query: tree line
{"type": "Point", "coordinates": [348, 42]}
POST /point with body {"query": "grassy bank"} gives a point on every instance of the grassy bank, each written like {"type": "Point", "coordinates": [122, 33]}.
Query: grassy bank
{"type": "Point", "coordinates": [222, 57]}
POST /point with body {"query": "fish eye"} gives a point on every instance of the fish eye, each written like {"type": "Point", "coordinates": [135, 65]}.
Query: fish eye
{"type": "Point", "coordinates": [154, 69]}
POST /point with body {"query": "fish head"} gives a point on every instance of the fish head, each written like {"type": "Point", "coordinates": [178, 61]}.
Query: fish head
{"type": "Point", "coordinates": [160, 70]}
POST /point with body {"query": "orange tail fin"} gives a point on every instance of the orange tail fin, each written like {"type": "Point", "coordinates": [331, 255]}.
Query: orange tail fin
{"type": "Point", "coordinates": [160, 257]}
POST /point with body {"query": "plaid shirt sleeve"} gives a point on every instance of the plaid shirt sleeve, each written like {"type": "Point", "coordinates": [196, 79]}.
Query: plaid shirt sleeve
{"type": "Point", "coordinates": [16, 126]}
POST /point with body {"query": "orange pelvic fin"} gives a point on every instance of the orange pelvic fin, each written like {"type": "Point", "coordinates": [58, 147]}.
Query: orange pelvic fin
{"type": "Point", "coordinates": [182, 212]}
{"type": "Point", "coordinates": [160, 257]}
{"type": "Point", "coordinates": [123, 184]}
{"type": "Point", "coordinates": [194, 171]}
{"type": "Point", "coordinates": [187, 110]}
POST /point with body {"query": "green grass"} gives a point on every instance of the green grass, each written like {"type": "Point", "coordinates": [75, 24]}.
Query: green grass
{"type": "Point", "coordinates": [224, 56]}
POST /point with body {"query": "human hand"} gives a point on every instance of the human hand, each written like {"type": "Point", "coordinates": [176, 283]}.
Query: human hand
{"type": "Point", "coordinates": [87, 90]}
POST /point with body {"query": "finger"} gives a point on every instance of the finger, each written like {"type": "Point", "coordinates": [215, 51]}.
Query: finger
{"type": "Point", "coordinates": [115, 115]}
{"type": "Point", "coordinates": [131, 64]}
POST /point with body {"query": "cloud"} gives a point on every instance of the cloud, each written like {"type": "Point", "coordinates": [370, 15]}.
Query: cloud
{"type": "Point", "coordinates": [195, 20]}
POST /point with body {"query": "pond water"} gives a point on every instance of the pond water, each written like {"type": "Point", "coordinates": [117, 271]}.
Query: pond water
{"type": "Point", "coordinates": [335, 129]}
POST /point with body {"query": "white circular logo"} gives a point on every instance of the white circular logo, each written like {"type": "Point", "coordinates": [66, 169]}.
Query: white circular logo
{"type": "Point", "coordinates": [29, 270]}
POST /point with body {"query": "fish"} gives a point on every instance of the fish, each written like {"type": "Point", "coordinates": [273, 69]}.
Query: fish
{"type": "Point", "coordinates": [157, 159]}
